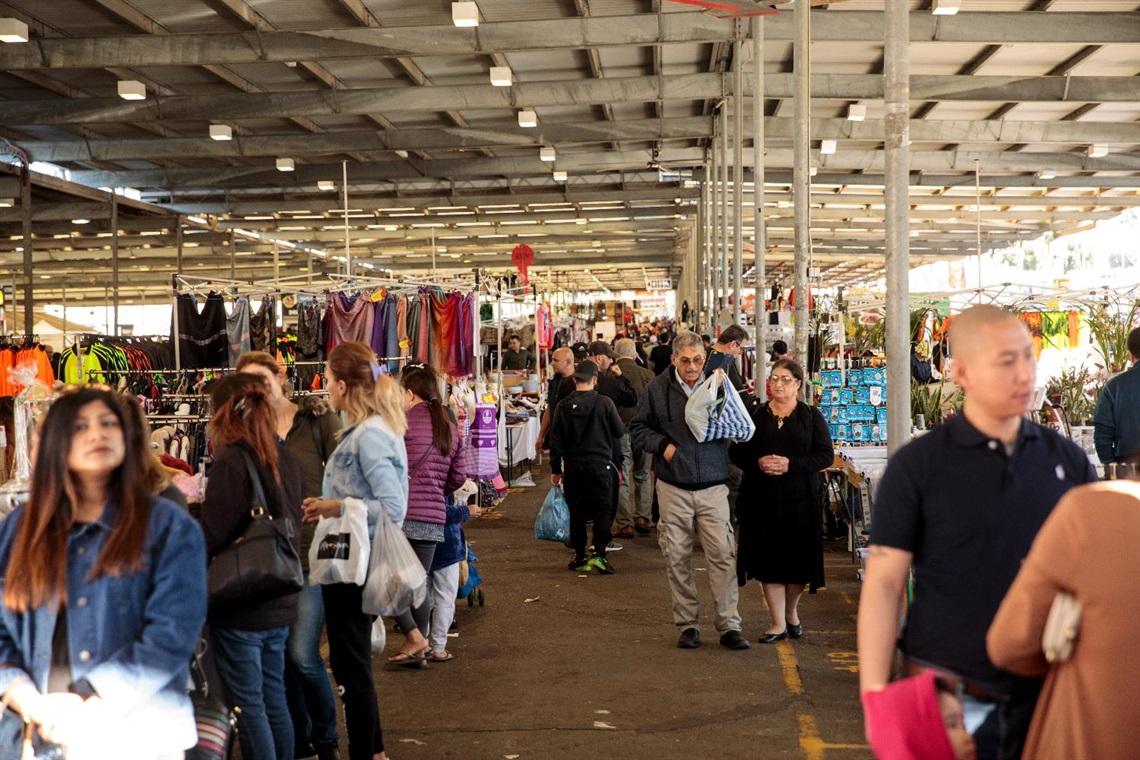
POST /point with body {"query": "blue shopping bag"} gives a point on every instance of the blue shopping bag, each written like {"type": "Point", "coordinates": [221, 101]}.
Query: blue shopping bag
{"type": "Point", "coordinates": [553, 521]}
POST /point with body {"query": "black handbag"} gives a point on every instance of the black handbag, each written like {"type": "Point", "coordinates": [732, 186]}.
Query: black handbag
{"type": "Point", "coordinates": [260, 564]}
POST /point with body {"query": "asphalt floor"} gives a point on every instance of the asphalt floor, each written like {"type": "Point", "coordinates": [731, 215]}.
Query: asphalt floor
{"type": "Point", "coordinates": [559, 665]}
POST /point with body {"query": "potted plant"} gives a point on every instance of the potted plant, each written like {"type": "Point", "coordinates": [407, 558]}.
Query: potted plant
{"type": "Point", "coordinates": [933, 401]}
{"type": "Point", "coordinates": [1110, 324]}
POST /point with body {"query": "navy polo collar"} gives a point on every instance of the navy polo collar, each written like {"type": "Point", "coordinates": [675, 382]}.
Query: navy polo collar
{"type": "Point", "coordinates": [968, 436]}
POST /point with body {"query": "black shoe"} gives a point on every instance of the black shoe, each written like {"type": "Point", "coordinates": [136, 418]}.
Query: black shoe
{"type": "Point", "coordinates": [328, 752]}
{"type": "Point", "coordinates": [303, 749]}
{"type": "Point", "coordinates": [734, 640]}
{"type": "Point", "coordinates": [690, 639]}
{"type": "Point", "coordinates": [772, 638]}
{"type": "Point", "coordinates": [795, 631]}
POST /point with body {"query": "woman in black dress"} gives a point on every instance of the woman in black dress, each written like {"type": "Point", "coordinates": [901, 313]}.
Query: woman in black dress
{"type": "Point", "coordinates": [778, 509]}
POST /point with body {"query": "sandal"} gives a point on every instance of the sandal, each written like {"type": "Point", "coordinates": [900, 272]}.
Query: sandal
{"type": "Point", "coordinates": [406, 659]}
{"type": "Point", "coordinates": [447, 656]}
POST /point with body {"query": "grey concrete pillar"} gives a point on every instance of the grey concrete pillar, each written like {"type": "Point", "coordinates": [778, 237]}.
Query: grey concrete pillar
{"type": "Point", "coordinates": [897, 125]}
{"type": "Point", "coordinates": [801, 175]}
{"type": "Point", "coordinates": [759, 235]}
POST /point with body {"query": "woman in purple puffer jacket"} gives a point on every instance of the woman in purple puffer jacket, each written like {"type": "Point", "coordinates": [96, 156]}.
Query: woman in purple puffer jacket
{"type": "Point", "coordinates": [434, 448]}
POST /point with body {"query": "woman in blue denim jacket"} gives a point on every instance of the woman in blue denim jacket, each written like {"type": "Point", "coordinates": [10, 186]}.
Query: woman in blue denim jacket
{"type": "Point", "coordinates": [370, 464]}
{"type": "Point", "coordinates": [104, 594]}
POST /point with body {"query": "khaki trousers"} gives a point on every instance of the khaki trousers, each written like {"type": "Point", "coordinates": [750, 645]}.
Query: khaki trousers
{"type": "Point", "coordinates": [684, 514]}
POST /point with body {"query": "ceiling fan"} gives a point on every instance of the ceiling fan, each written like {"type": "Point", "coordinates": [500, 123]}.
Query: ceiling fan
{"type": "Point", "coordinates": [746, 8]}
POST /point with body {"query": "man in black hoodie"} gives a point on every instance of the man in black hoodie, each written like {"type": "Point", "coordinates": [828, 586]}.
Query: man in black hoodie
{"type": "Point", "coordinates": [587, 433]}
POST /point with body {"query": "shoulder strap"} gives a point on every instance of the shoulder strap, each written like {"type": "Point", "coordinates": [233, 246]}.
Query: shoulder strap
{"type": "Point", "coordinates": [419, 464]}
{"type": "Point", "coordinates": [255, 479]}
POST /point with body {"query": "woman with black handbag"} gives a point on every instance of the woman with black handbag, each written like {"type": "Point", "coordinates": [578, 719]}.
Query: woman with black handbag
{"type": "Point", "coordinates": [104, 592]}
{"type": "Point", "coordinates": [249, 630]}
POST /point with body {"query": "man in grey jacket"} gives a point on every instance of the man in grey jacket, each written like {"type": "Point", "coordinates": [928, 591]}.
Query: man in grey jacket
{"type": "Point", "coordinates": [691, 492]}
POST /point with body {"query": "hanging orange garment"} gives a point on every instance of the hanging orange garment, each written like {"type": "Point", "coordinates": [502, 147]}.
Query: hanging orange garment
{"type": "Point", "coordinates": [402, 327]}
{"type": "Point", "coordinates": [1033, 322]}
{"type": "Point", "coordinates": [1074, 329]}
{"type": "Point", "coordinates": [442, 329]}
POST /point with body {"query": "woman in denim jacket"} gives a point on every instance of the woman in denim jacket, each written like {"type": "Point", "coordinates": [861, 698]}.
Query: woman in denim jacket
{"type": "Point", "coordinates": [370, 464]}
{"type": "Point", "coordinates": [104, 594]}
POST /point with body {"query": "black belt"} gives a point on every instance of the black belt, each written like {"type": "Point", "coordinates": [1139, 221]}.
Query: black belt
{"type": "Point", "coordinates": [954, 683]}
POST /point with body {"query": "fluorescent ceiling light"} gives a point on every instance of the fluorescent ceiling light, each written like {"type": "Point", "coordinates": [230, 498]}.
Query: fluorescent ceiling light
{"type": "Point", "coordinates": [80, 221]}
{"type": "Point", "coordinates": [465, 14]}
{"type": "Point", "coordinates": [827, 147]}
{"type": "Point", "coordinates": [1098, 151]}
{"type": "Point", "coordinates": [326, 184]}
{"type": "Point", "coordinates": [221, 132]}
{"type": "Point", "coordinates": [856, 112]}
{"type": "Point", "coordinates": [528, 118]}
{"type": "Point", "coordinates": [946, 7]}
{"type": "Point", "coordinates": [7, 202]}
{"type": "Point", "coordinates": [560, 176]}
{"type": "Point", "coordinates": [547, 154]}
{"type": "Point", "coordinates": [130, 89]}
{"type": "Point", "coordinates": [1046, 174]}
{"type": "Point", "coordinates": [286, 165]}
{"type": "Point", "coordinates": [501, 76]}
{"type": "Point", "coordinates": [13, 30]}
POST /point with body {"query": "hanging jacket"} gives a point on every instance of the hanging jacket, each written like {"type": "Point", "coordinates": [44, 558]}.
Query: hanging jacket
{"type": "Point", "coordinates": [431, 474]}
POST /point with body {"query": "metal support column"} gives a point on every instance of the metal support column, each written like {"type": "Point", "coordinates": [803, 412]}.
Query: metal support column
{"type": "Point", "coordinates": [702, 258]}
{"type": "Point", "coordinates": [178, 244]}
{"type": "Point", "coordinates": [29, 301]}
{"type": "Point", "coordinates": [801, 176]}
{"type": "Point", "coordinates": [738, 179]}
{"type": "Point", "coordinates": [115, 263]}
{"type": "Point", "coordinates": [897, 123]}
{"type": "Point", "coordinates": [233, 256]}
{"type": "Point", "coordinates": [714, 226]}
{"type": "Point", "coordinates": [722, 254]}
{"type": "Point", "coordinates": [759, 235]}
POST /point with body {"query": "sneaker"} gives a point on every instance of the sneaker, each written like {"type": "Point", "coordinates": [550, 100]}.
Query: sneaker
{"type": "Point", "coordinates": [626, 532]}
{"type": "Point", "coordinates": [579, 565]}
{"type": "Point", "coordinates": [601, 565]}
{"type": "Point", "coordinates": [642, 526]}
{"type": "Point", "coordinates": [614, 546]}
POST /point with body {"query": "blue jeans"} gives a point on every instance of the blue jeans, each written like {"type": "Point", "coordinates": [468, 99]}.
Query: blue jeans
{"type": "Point", "coordinates": [307, 686]}
{"type": "Point", "coordinates": [252, 667]}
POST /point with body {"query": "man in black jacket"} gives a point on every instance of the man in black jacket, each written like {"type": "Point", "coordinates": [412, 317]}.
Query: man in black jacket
{"type": "Point", "coordinates": [587, 433]}
{"type": "Point", "coordinates": [692, 496]}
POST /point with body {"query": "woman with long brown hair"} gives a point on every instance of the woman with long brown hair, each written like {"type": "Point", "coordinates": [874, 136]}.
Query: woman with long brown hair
{"type": "Point", "coordinates": [308, 428]}
{"type": "Point", "coordinates": [104, 593]}
{"type": "Point", "coordinates": [249, 635]}
{"type": "Point", "coordinates": [369, 464]}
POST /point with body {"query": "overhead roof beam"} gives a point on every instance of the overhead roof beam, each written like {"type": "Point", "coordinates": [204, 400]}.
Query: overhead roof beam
{"type": "Point", "coordinates": [593, 162]}
{"type": "Point", "coordinates": [583, 33]}
{"type": "Point", "coordinates": [565, 93]}
{"type": "Point", "coordinates": [696, 127]}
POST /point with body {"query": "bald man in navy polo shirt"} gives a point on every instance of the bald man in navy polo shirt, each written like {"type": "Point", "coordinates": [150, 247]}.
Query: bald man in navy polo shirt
{"type": "Point", "coordinates": [962, 504]}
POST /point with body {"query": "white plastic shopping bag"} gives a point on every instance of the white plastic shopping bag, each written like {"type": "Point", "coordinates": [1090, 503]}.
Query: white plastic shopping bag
{"type": "Point", "coordinates": [339, 553]}
{"type": "Point", "coordinates": [379, 636]}
{"type": "Point", "coordinates": [396, 579]}
{"type": "Point", "coordinates": [716, 412]}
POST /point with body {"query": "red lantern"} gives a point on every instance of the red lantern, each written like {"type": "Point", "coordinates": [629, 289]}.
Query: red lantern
{"type": "Point", "coordinates": [522, 257]}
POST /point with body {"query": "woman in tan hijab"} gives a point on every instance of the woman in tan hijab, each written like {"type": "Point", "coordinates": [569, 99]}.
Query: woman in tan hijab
{"type": "Point", "coordinates": [1090, 705]}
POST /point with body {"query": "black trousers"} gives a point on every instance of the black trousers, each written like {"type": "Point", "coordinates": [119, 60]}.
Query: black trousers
{"type": "Point", "coordinates": [1003, 733]}
{"type": "Point", "coordinates": [591, 494]}
{"type": "Point", "coordinates": [350, 655]}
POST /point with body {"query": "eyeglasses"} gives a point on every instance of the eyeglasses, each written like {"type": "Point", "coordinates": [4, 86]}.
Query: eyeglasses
{"type": "Point", "coordinates": [781, 379]}
{"type": "Point", "coordinates": [696, 361]}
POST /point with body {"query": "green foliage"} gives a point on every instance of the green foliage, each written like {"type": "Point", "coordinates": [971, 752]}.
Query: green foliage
{"type": "Point", "coordinates": [933, 401]}
{"type": "Point", "coordinates": [1110, 324]}
{"type": "Point", "coordinates": [865, 337]}
{"type": "Point", "coordinates": [1078, 389]}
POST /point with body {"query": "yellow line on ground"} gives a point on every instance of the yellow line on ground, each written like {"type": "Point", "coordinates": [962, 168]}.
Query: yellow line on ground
{"type": "Point", "coordinates": [790, 666]}
{"type": "Point", "coordinates": [810, 742]}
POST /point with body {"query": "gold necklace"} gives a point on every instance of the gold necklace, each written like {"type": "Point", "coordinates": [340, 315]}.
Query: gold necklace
{"type": "Point", "coordinates": [778, 418]}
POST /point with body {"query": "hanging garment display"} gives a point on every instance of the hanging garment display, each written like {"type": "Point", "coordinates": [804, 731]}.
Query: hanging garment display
{"type": "Point", "coordinates": [403, 340]}
{"type": "Point", "coordinates": [308, 347]}
{"type": "Point", "coordinates": [237, 330]}
{"type": "Point", "coordinates": [261, 327]}
{"type": "Point", "coordinates": [348, 318]}
{"type": "Point", "coordinates": [201, 335]}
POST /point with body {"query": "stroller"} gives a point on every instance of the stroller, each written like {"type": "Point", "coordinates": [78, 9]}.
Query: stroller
{"type": "Point", "coordinates": [470, 580]}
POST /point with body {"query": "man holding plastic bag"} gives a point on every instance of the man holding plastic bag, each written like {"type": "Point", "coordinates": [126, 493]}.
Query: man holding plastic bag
{"type": "Point", "coordinates": [587, 433]}
{"type": "Point", "coordinates": [691, 472]}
